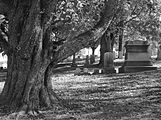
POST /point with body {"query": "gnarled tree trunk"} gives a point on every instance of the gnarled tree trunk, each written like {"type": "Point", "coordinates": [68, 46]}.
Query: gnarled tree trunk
{"type": "Point", "coordinates": [31, 52]}
{"type": "Point", "coordinates": [27, 86]}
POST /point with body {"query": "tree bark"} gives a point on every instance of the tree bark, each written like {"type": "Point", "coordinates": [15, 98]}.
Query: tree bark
{"type": "Point", "coordinates": [105, 46]}
{"type": "Point", "coordinates": [92, 57]}
{"type": "Point", "coordinates": [93, 50]}
{"type": "Point", "coordinates": [112, 37]}
{"type": "Point", "coordinates": [73, 45]}
{"type": "Point", "coordinates": [120, 49]}
{"type": "Point", "coordinates": [27, 86]}
{"type": "Point", "coordinates": [74, 61]}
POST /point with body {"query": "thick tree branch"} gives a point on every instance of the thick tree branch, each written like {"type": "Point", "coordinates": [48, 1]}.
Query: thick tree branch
{"type": "Point", "coordinates": [4, 8]}
{"type": "Point", "coordinates": [77, 43]}
{"type": "Point", "coordinates": [110, 6]}
{"type": "Point", "coordinates": [132, 18]}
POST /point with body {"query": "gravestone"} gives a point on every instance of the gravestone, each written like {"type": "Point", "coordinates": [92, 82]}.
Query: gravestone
{"type": "Point", "coordinates": [92, 59]}
{"type": "Point", "coordinates": [77, 71]}
{"type": "Point", "coordinates": [85, 70]}
{"type": "Point", "coordinates": [74, 65]}
{"type": "Point", "coordinates": [109, 63]}
{"type": "Point", "coordinates": [98, 71]}
{"type": "Point", "coordinates": [159, 53]}
{"type": "Point", "coordinates": [114, 54]}
{"type": "Point", "coordinates": [86, 61]}
{"type": "Point", "coordinates": [137, 57]}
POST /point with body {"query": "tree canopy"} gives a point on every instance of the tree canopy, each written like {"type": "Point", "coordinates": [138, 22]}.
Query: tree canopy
{"type": "Point", "coordinates": [143, 19]}
{"type": "Point", "coordinates": [74, 19]}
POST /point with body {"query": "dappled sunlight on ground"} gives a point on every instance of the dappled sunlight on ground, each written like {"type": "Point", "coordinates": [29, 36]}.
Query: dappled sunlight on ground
{"type": "Point", "coordinates": [130, 96]}
{"type": "Point", "coordinates": [112, 97]}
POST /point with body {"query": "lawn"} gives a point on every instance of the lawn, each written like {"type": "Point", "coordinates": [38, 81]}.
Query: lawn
{"type": "Point", "coordinates": [134, 96]}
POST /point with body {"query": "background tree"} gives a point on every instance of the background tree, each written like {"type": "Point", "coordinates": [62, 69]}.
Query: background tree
{"type": "Point", "coordinates": [132, 18]}
{"type": "Point", "coordinates": [106, 45]}
{"type": "Point", "coordinates": [142, 19]}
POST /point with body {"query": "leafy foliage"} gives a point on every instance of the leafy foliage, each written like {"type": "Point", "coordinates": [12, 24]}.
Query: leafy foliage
{"type": "Point", "coordinates": [143, 19]}
{"type": "Point", "coordinates": [76, 16]}
{"type": "Point", "coordinates": [3, 32]}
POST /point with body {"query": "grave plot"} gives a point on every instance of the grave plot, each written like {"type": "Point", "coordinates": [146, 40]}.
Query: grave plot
{"type": "Point", "coordinates": [137, 57]}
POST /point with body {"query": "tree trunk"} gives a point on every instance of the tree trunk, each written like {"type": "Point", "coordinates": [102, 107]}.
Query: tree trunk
{"type": "Point", "coordinates": [120, 49]}
{"type": "Point", "coordinates": [112, 38]}
{"type": "Point", "coordinates": [74, 61]}
{"type": "Point", "coordinates": [92, 57]}
{"type": "Point", "coordinates": [27, 86]}
{"type": "Point", "coordinates": [105, 46]}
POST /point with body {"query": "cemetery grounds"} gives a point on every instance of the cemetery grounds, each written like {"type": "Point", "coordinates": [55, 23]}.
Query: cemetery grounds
{"type": "Point", "coordinates": [125, 96]}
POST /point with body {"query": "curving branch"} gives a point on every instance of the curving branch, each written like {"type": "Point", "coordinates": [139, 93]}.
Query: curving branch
{"type": "Point", "coordinates": [127, 21]}
{"type": "Point", "coordinates": [110, 6]}
{"type": "Point", "coordinates": [83, 40]}
{"type": "Point", "coordinates": [4, 8]}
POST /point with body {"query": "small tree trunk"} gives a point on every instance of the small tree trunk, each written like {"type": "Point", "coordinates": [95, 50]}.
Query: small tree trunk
{"type": "Point", "coordinates": [120, 54]}
{"type": "Point", "coordinates": [112, 38]}
{"type": "Point", "coordinates": [93, 50]}
{"type": "Point", "coordinates": [74, 61]}
{"type": "Point", "coordinates": [92, 57]}
{"type": "Point", "coordinates": [120, 49]}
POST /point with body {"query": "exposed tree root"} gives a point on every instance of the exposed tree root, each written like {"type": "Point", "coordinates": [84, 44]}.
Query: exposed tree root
{"type": "Point", "coordinates": [22, 114]}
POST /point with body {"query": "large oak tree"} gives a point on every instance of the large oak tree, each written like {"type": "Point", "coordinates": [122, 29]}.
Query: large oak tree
{"type": "Point", "coordinates": [42, 33]}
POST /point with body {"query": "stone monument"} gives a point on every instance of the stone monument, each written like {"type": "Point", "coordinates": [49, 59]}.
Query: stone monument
{"type": "Point", "coordinates": [109, 63]}
{"type": "Point", "coordinates": [137, 57]}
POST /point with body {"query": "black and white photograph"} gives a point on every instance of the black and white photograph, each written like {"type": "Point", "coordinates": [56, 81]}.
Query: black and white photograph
{"type": "Point", "coordinates": [80, 59]}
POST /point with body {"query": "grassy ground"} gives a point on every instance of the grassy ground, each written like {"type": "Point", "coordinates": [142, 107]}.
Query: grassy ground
{"type": "Point", "coordinates": [112, 97]}
{"type": "Point", "coordinates": [134, 96]}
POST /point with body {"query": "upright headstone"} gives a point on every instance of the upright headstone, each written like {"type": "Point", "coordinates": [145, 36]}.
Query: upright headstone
{"type": "Point", "coordinates": [120, 54]}
{"type": "Point", "coordinates": [137, 57]}
{"type": "Point", "coordinates": [92, 59]}
{"type": "Point", "coordinates": [85, 70]}
{"type": "Point", "coordinates": [109, 63]}
{"type": "Point", "coordinates": [86, 61]}
{"type": "Point", "coordinates": [77, 71]}
{"type": "Point", "coordinates": [159, 53]}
